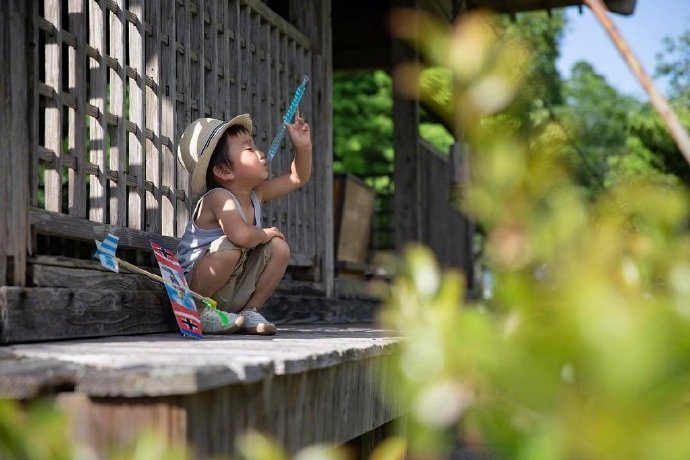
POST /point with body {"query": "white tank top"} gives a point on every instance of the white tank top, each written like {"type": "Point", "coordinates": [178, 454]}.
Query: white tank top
{"type": "Point", "coordinates": [195, 241]}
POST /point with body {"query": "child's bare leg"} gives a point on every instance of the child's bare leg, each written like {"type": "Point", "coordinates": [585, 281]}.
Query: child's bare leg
{"type": "Point", "coordinates": [272, 273]}
{"type": "Point", "coordinates": [213, 271]}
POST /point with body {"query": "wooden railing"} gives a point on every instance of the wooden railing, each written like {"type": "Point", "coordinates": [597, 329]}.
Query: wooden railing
{"type": "Point", "coordinates": [114, 86]}
{"type": "Point", "coordinates": [446, 230]}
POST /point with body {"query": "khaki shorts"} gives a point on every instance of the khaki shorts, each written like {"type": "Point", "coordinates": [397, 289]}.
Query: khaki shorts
{"type": "Point", "coordinates": [242, 283]}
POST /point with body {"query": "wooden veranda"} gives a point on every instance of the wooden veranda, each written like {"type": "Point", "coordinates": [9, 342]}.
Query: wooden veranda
{"type": "Point", "coordinates": [98, 93]}
{"type": "Point", "coordinates": [95, 95]}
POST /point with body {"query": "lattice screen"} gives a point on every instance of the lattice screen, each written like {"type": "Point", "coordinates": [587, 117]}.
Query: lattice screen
{"type": "Point", "coordinates": [118, 80]}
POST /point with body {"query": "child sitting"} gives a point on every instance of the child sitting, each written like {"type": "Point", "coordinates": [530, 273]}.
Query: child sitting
{"type": "Point", "coordinates": [225, 252]}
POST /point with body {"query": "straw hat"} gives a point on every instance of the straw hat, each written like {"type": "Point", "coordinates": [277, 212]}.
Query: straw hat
{"type": "Point", "coordinates": [197, 143]}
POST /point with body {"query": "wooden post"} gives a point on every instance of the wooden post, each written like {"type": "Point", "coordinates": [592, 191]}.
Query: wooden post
{"type": "Point", "coordinates": [675, 127]}
{"type": "Point", "coordinates": [15, 155]}
{"type": "Point", "coordinates": [408, 164]}
{"type": "Point", "coordinates": [314, 20]}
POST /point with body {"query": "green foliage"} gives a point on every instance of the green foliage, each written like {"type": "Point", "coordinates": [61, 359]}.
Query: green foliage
{"type": "Point", "coordinates": [542, 34]}
{"type": "Point", "coordinates": [612, 137]}
{"type": "Point", "coordinates": [584, 350]}
{"type": "Point", "coordinates": [256, 446]}
{"type": "Point", "coordinates": [362, 123]}
{"type": "Point", "coordinates": [39, 433]}
{"type": "Point", "coordinates": [674, 63]}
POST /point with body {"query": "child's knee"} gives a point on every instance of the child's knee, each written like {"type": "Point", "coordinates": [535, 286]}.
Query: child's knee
{"type": "Point", "coordinates": [227, 260]}
{"type": "Point", "coordinates": [280, 249]}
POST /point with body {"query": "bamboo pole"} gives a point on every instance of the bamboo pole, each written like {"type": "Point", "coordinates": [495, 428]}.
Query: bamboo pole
{"type": "Point", "coordinates": [678, 132]}
{"type": "Point", "coordinates": [141, 271]}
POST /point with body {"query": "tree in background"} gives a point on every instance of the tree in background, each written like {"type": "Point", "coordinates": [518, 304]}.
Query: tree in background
{"type": "Point", "coordinates": [363, 125]}
{"type": "Point", "coordinates": [598, 118]}
{"type": "Point", "coordinates": [674, 63]}
{"type": "Point", "coordinates": [362, 101]}
{"type": "Point", "coordinates": [614, 136]}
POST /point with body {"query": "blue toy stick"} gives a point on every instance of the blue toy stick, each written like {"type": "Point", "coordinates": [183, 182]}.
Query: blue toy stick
{"type": "Point", "coordinates": [289, 115]}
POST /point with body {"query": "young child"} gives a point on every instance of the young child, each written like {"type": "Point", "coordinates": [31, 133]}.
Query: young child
{"type": "Point", "coordinates": [225, 252]}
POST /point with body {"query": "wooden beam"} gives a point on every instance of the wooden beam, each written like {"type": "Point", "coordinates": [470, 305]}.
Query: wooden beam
{"type": "Point", "coordinates": [31, 314]}
{"type": "Point", "coordinates": [314, 21]}
{"type": "Point", "coordinates": [52, 223]}
{"type": "Point", "coordinates": [408, 213]}
{"type": "Point", "coordinates": [15, 152]}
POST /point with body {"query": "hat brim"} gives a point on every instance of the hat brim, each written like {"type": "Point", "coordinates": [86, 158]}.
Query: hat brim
{"type": "Point", "coordinates": [198, 184]}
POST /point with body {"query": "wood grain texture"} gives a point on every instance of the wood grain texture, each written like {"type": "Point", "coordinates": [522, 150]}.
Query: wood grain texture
{"type": "Point", "coordinates": [334, 404]}
{"type": "Point", "coordinates": [30, 314]}
{"type": "Point", "coordinates": [97, 125]}
{"type": "Point", "coordinates": [58, 224]}
{"type": "Point", "coordinates": [76, 119]}
{"type": "Point", "coordinates": [78, 298]}
{"type": "Point", "coordinates": [15, 143]}
{"type": "Point", "coordinates": [315, 23]}
{"type": "Point", "coordinates": [169, 364]}
{"type": "Point", "coordinates": [161, 65]}
{"type": "Point", "coordinates": [118, 134]}
{"type": "Point", "coordinates": [305, 385]}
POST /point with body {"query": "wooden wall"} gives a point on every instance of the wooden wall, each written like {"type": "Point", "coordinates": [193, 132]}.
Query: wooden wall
{"type": "Point", "coordinates": [96, 98]}
{"type": "Point", "coordinates": [117, 83]}
{"type": "Point", "coordinates": [334, 404]}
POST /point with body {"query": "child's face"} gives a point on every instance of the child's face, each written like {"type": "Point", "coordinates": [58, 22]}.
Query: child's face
{"type": "Point", "coordinates": [248, 162]}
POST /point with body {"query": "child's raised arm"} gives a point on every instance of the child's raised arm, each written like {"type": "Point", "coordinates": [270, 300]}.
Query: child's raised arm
{"type": "Point", "coordinates": [300, 168]}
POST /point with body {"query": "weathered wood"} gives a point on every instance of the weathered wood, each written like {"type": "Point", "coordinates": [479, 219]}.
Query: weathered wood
{"type": "Point", "coordinates": [211, 41]}
{"type": "Point", "coordinates": [285, 27]}
{"type": "Point", "coordinates": [315, 23]}
{"type": "Point", "coordinates": [408, 213]}
{"type": "Point", "coordinates": [97, 125]}
{"type": "Point", "coordinates": [234, 61]}
{"type": "Point", "coordinates": [77, 117]}
{"type": "Point", "coordinates": [49, 271]}
{"type": "Point", "coordinates": [353, 201]}
{"type": "Point", "coordinates": [145, 84]}
{"type": "Point", "coordinates": [94, 303]}
{"type": "Point", "coordinates": [5, 146]}
{"type": "Point", "coordinates": [118, 134]}
{"type": "Point", "coordinates": [445, 228]}
{"type": "Point", "coordinates": [135, 140]}
{"type": "Point", "coordinates": [91, 278]}
{"type": "Point", "coordinates": [303, 387]}
{"type": "Point", "coordinates": [184, 113]}
{"type": "Point", "coordinates": [152, 171]}
{"type": "Point", "coordinates": [53, 109]}
{"type": "Point", "coordinates": [169, 364]}
{"type": "Point", "coordinates": [197, 30]}
{"type": "Point", "coordinates": [301, 309]}
{"type": "Point", "coordinates": [168, 95]}
{"type": "Point", "coordinates": [25, 379]}
{"type": "Point", "coordinates": [56, 313]}
{"type": "Point", "coordinates": [59, 224]}
{"type": "Point", "coordinates": [14, 143]}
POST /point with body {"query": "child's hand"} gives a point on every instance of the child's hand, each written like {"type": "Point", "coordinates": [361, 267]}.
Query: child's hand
{"type": "Point", "coordinates": [300, 133]}
{"type": "Point", "coordinates": [272, 232]}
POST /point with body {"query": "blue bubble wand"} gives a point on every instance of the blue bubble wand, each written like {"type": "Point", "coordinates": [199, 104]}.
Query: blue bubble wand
{"type": "Point", "coordinates": [289, 115]}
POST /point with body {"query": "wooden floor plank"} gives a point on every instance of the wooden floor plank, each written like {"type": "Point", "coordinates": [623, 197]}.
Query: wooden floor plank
{"type": "Point", "coordinates": [168, 364]}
